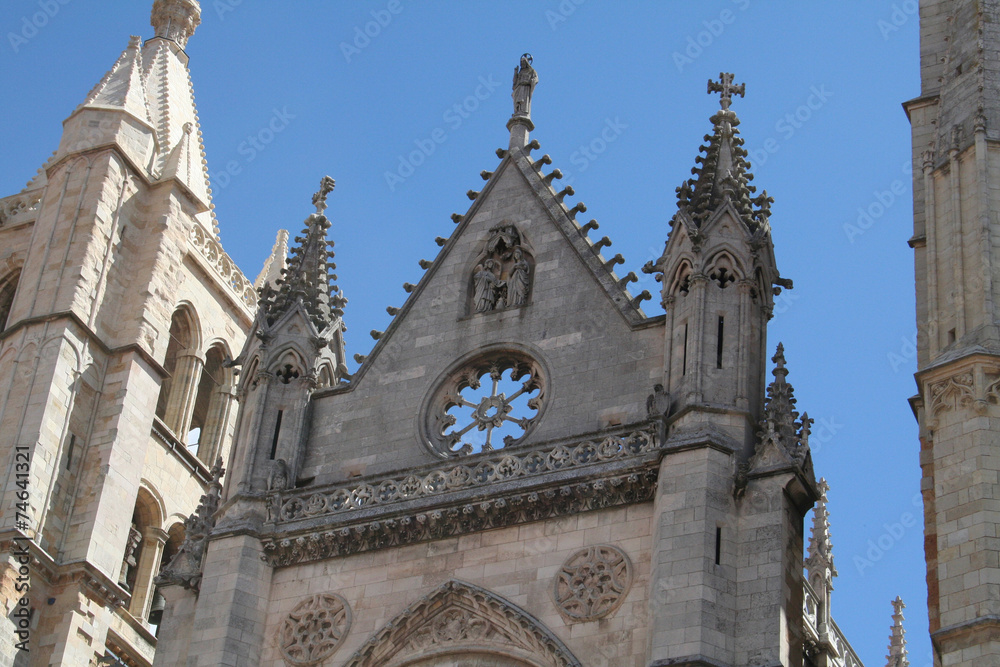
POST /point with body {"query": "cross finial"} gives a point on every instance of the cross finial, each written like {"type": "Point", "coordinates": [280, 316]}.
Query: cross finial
{"type": "Point", "coordinates": [726, 87]}
{"type": "Point", "coordinates": [319, 199]}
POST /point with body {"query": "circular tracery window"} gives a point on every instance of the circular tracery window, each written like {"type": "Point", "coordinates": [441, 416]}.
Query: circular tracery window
{"type": "Point", "coordinates": [489, 403]}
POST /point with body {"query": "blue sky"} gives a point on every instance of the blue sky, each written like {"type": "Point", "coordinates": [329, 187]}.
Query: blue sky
{"type": "Point", "coordinates": [621, 107]}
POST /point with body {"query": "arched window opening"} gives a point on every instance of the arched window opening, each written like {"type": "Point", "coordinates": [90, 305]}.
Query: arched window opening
{"type": "Point", "coordinates": [210, 415]}
{"type": "Point", "coordinates": [180, 339]}
{"type": "Point", "coordinates": [175, 538]}
{"type": "Point", "coordinates": [7, 289]}
{"type": "Point", "coordinates": [143, 548]}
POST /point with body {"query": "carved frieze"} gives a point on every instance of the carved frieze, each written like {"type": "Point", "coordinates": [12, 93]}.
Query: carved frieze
{"type": "Point", "coordinates": [314, 629]}
{"type": "Point", "coordinates": [496, 512]}
{"type": "Point", "coordinates": [593, 582]}
{"type": "Point", "coordinates": [343, 499]}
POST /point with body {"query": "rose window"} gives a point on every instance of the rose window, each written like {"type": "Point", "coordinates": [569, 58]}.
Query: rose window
{"type": "Point", "coordinates": [486, 405]}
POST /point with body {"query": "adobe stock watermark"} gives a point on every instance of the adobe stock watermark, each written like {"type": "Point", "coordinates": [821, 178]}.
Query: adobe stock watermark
{"type": "Point", "coordinates": [453, 117]}
{"type": "Point", "coordinates": [898, 17]}
{"type": "Point", "coordinates": [891, 535]}
{"type": "Point", "coordinates": [363, 35]}
{"type": "Point", "coordinates": [31, 25]}
{"type": "Point", "coordinates": [565, 9]}
{"type": "Point", "coordinates": [790, 123]}
{"type": "Point", "coordinates": [590, 151]}
{"type": "Point", "coordinates": [703, 39]}
{"type": "Point", "coordinates": [223, 7]}
{"type": "Point", "coordinates": [882, 201]}
{"type": "Point", "coordinates": [253, 146]}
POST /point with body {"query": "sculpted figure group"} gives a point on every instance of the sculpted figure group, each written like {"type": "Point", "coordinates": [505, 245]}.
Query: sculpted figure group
{"type": "Point", "coordinates": [503, 279]}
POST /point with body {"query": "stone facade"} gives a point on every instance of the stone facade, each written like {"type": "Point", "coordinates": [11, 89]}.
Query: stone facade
{"type": "Point", "coordinates": [117, 307]}
{"type": "Point", "coordinates": [526, 471]}
{"type": "Point", "coordinates": [956, 129]}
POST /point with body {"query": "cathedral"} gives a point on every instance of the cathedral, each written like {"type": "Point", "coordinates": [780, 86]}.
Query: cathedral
{"type": "Point", "coordinates": [526, 470]}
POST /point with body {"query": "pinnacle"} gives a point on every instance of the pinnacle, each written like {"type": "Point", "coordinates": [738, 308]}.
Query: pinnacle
{"type": "Point", "coordinates": [897, 638]}
{"type": "Point", "coordinates": [820, 551]}
{"type": "Point", "coordinates": [722, 173]}
{"type": "Point", "coordinates": [306, 278]}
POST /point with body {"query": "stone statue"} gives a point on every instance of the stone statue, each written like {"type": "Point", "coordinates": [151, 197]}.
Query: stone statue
{"type": "Point", "coordinates": [278, 479]}
{"type": "Point", "coordinates": [487, 286]}
{"type": "Point", "coordinates": [517, 284]}
{"type": "Point", "coordinates": [525, 79]}
{"type": "Point", "coordinates": [129, 561]}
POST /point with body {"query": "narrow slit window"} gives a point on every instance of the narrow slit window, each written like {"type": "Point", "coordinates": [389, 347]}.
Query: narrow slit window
{"type": "Point", "coordinates": [684, 362]}
{"type": "Point", "coordinates": [718, 345]}
{"type": "Point", "coordinates": [718, 545]}
{"type": "Point", "coordinates": [277, 431]}
{"type": "Point", "coordinates": [69, 450]}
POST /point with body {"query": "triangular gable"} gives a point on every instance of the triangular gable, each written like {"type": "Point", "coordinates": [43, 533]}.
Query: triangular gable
{"type": "Point", "coordinates": [518, 171]}
{"type": "Point", "coordinates": [460, 618]}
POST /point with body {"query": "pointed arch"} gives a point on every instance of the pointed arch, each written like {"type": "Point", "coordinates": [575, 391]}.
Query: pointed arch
{"type": "Point", "coordinates": [723, 268]}
{"type": "Point", "coordinates": [210, 415]}
{"type": "Point", "coordinates": [680, 283]}
{"type": "Point", "coordinates": [184, 337]}
{"type": "Point", "coordinates": [461, 618]}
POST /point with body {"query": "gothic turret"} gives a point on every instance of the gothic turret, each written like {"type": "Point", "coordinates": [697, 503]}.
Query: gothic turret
{"type": "Point", "coordinates": [297, 347]}
{"type": "Point", "coordinates": [719, 277]}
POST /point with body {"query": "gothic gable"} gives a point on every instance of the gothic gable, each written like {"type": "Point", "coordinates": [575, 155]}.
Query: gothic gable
{"type": "Point", "coordinates": [462, 619]}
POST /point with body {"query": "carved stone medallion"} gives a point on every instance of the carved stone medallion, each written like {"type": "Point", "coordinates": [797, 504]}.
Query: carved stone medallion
{"type": "Point", "coordinates": [314, 629]}
{"type": "Point", "coordinates": [593, 582]}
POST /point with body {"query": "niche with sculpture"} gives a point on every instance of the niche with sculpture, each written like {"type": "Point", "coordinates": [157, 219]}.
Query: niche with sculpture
{"type": "Point", "coordinates": [503, 275]}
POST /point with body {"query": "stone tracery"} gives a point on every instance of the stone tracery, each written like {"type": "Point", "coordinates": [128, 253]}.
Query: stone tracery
{"type": "Point", "coordinates": [497, 397]}
{"type": "Point", "coordinates": [459, 618]}
{"type": "Point", "coordinates": [593, 582]}
{"type": "Point", "coordinates": [314, 629]}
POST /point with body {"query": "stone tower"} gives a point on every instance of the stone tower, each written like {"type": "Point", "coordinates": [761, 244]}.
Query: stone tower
{"type": "Point", "coordinates": [527, 469]}
{"type": "Point", "coordinates": [118, 308]}
{"type": "Point", "coordinates": [955, 129]}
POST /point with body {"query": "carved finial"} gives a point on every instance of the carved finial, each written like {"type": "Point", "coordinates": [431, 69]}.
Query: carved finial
{"type": "Point", "coordinates": [726, 87]}
{"type": "Point", "coordinates": [319, 199]}
{"type": "Point", "coordinates": [897, 640]}
{"type": "Point", "coordinates": [175, 20]}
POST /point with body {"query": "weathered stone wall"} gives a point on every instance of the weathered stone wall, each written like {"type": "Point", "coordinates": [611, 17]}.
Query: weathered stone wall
{"type": "Point", "coordinates": [519, 563]}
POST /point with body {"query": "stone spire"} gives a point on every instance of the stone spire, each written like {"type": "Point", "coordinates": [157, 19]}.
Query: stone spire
{"type": "Point", "coordinates": [306, 278]}
{"type": "Point", "coordinates": [897, 640]}
{"type": "Point", "coordinates": [723, 173]}
{"type": "Point", "coordinates": [176, 20]}
{"type": "Point", "coordinates": [819, 559]}
{"type": "Point", "coordinates": [275, 264]}
{"type": "Point", "coordinates": [122, 87]}
{"type": "Point", "coordinates": [525, 79]}
{"type": "Point", "coordinates": [783, 437]}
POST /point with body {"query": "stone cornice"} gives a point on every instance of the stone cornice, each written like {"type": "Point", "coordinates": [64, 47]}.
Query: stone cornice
{"type": "Point", "coordinates": [461, 496]}
{"type": "Point", "coordinates": [372, 497]}
{"type": "Point", "coordinates": [494, 509]}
